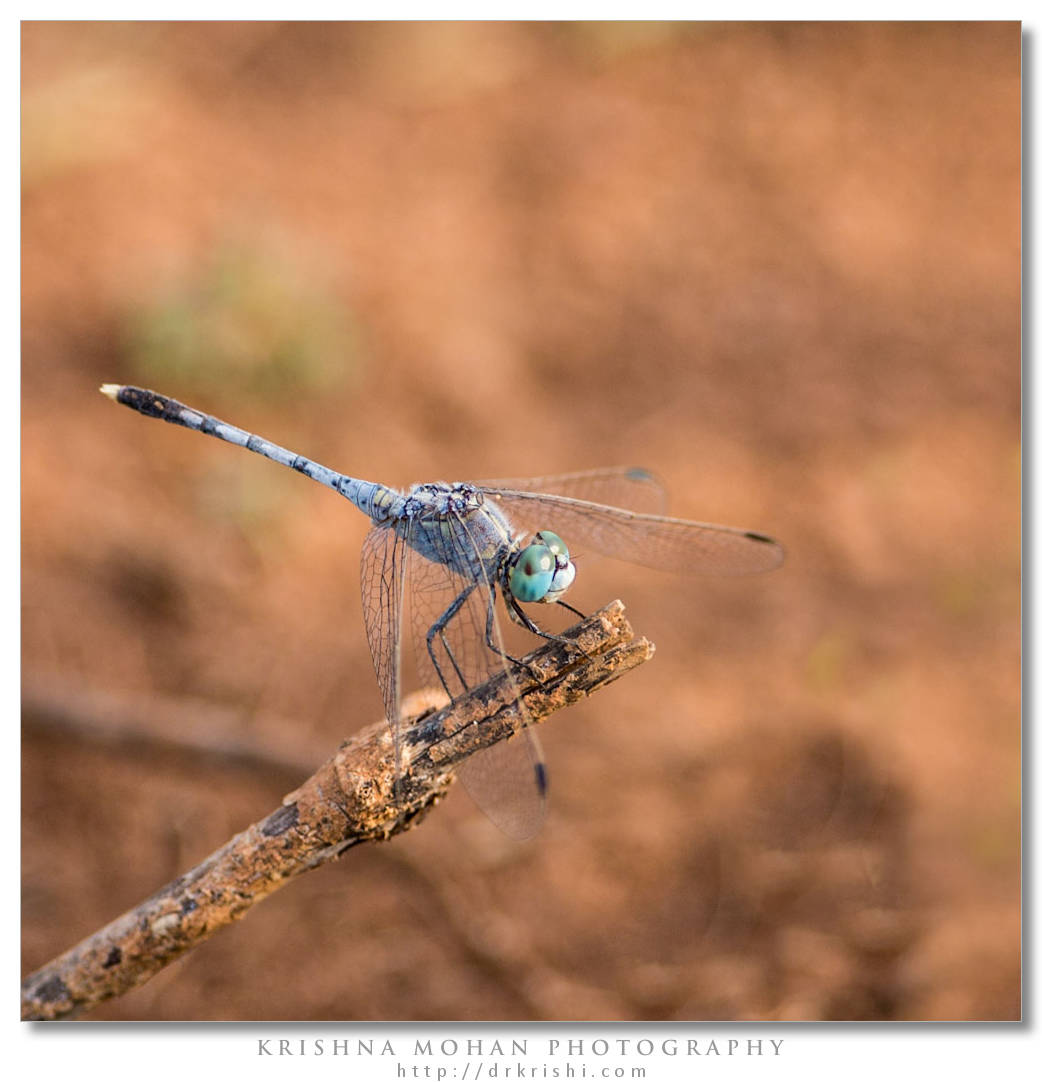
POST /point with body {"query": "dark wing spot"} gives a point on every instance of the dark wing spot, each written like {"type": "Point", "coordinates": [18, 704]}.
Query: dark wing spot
{"type": "Point", "coordinates": [760, 537]}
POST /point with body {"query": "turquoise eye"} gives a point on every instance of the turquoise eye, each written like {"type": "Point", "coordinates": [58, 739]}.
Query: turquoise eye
{"type": "Point", "coordinates": [532, 574]}
{"type": "Point", "coordinates": [553, 543]}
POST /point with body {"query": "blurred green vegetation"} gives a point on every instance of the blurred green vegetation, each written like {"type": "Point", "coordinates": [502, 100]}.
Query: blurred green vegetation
{"type": "Point", "coordinates": [251, 320]}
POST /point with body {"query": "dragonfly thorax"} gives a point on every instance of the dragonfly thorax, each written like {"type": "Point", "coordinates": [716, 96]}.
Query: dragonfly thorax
{"type": "Point", "coordinates": [437, 499]}
{"type": "Point", "coordinates": [542, 570]}
{"type": "Point", "coordinates": [455, 526]}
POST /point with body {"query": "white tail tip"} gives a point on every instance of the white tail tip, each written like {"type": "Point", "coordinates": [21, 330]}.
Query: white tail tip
{"type": "Point", "coordinates": [110, 390]}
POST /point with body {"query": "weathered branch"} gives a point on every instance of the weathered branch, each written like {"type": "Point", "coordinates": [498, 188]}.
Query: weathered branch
{"type": "Point", "coordinates": [352, 798]}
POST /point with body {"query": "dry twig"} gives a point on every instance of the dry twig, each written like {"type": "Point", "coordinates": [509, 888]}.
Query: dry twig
{"type": "Point", "coordinates": [350, 799]}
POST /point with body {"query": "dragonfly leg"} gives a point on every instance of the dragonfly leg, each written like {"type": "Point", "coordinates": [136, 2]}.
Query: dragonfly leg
{"type": "Point", "coordinates": [519, 616]}
{"type": "Point", "coordinates": [570, 608]}
{"type": "Point", "coordinates": [438, 629]}
{"type": "Point", "coordinates": [490, 623]}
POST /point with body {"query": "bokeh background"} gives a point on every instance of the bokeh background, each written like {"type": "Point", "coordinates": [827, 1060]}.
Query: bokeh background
{"type": "Point", "coordinates": [777, 264]}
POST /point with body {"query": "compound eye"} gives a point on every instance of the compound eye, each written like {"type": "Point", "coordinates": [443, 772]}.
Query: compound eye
{"type": "Point", "coordinates": [564, 576]}
{"type": "Point", "coordinates": [532, 574]}
{"type": "Point", "coordinates": [553, 543]}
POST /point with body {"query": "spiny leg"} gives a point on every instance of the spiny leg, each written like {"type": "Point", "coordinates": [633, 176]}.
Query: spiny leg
{"type": "Point", "coordinates": [490, 620]}
{"type": "Point", "coordinates": [570, 608]}
{"type": "Point", "coordinates": [438, 629]}
{"type": "Point", "coordinates": [519, 616]}
{"type": "Point", "coordinates": [452, 658]}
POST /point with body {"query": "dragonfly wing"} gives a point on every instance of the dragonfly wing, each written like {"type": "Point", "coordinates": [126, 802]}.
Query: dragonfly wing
{"type": "Point", "coordinates": [631, 487]}
{"type": "Point", "coordinates": [385, 559]}
{"type": "Point", "coordinates": [508, 783]}
{"type": "Point", "coordinates": [451, 615]}
{"type": "Point", "coordinates": [667, 544]}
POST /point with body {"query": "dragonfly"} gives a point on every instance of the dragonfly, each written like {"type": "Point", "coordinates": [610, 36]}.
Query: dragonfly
{"type": "Point", "coordinates": [439, 555]}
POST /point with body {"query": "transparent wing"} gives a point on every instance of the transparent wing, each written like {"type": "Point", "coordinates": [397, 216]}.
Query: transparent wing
{"type": "Point", "coordinates": [385, 558]}
{"type": "Point", "coordinates": [630, 487]}
{"type": "Point", "coordinates": [501, 780]}
{"type": "Point", "coordinates": [450, 616]}
{"type": "Point", "coordinates": [651, 540]}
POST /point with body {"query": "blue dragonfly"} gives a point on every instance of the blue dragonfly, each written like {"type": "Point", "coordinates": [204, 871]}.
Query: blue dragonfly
{"type": "Point", "coordinates": [438, 555]}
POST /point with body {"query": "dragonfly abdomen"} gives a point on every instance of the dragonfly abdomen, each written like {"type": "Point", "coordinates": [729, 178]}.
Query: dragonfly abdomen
{"type": "Point", "coordinates": [377, 501]}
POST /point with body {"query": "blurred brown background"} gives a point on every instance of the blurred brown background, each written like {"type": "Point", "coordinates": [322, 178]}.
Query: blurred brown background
{"type": "Point", "coordinates": [777, 264]}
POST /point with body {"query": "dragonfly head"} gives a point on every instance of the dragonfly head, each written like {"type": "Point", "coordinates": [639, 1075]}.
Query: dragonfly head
{"type": "Point", "coordinates": [542, 570]}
